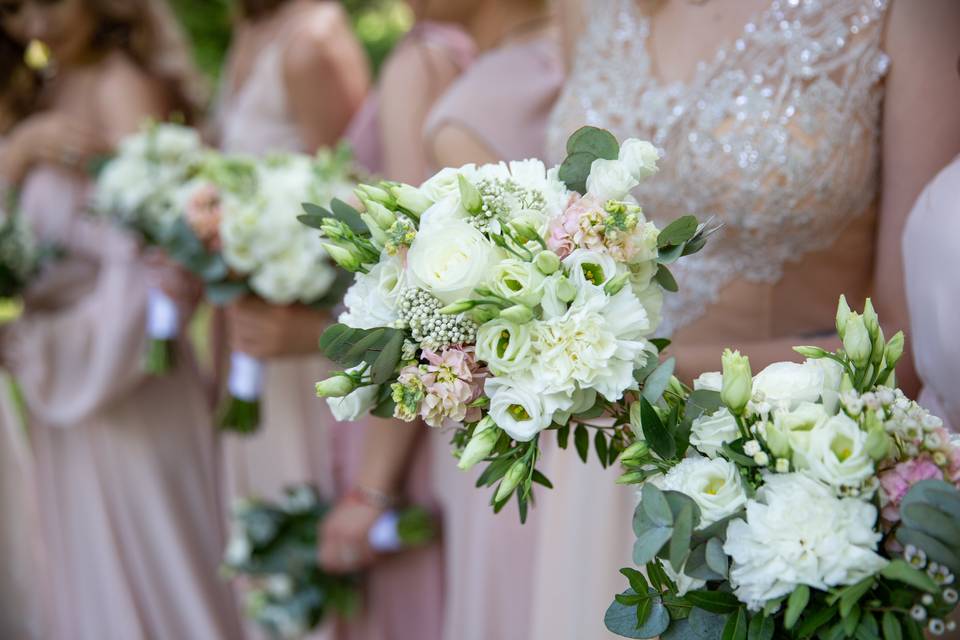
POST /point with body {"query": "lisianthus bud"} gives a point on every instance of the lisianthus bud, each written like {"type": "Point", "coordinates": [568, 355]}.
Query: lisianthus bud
{"type": "Point", "coordinates": [877, 445]}
{"type": "Point", "coordinates": [737, 381]}
{"type": "Point", "coordinates": [856, 340]}
{"type": "Point", "coordinates": [870, 318]}
{"type": "Point", "coordinates": [343, 257]}
{"type": "Point", "coordinates": [514, 475]}
{"type": "Point", "coordinates": [635, 453]}
{"type": "Point", "coordinates": [380, 214]}
{"type": "Point", "coordinates": [846, 383]}
{"type": "Point", "coordinates": [894, 349]}
{"type": "Point", "coordinates": [843, 312]}
{"type": "Point", "coordinates": [481, 444]}
{"type": "Point", "coordinates": [458, 307]}
{"type": "Point", "coordinates": [377, 234]}
{"type": "Point", "coordinates": [777, 441]}
{"type": "Point", "coordinates": [811, 352]}
{"type": "Point", "coordinates": [519, 313]}
{"type": "Point", "coordinates": [368, 192]}
{"type": "Point", "coordinates": [483, 314]}
{"type": "Point", "coordinates": [336, 386]}
{"type": "Point", "coordinates": [547, 262]}
{"type": "Point", "coordinates": [411, 198]}
{"type": "Point", "coordinates": [469, 195]}
{"type": "Point", "coordinates": [631, 477]}
{"type": "Point", "coordinates": [615, 284]}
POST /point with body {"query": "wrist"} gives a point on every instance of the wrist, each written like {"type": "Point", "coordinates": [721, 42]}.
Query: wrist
{"type": "Point", "coordinates": [371, 497]}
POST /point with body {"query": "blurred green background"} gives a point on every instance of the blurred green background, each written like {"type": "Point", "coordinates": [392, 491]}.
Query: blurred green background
{"type": "Point", "coordinates": [378, 24]}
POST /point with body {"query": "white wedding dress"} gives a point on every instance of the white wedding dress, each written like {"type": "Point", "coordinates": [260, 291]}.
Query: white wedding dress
{"type": "Point", "coordinates": [777, 137]}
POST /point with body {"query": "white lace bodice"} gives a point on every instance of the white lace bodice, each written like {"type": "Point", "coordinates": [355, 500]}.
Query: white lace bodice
{"type": "Point", "coordinates": [776, 136]}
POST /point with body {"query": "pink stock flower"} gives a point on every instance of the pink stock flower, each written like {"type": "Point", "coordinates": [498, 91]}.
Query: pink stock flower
{"type": "Point", "coordinates": [452, 380]}
{"type": "Point", "coordinates": [566, 231]}
{"type": "Point", "coordinates": [896, 482]}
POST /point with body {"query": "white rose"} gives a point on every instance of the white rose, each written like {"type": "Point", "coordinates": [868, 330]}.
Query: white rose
{"type": "Point", "coordinates": [372, 299]}
{"type": "Point", "coordinates": [506, 347]}
{"type": "Point", "coordinates": [443, 184]}
{"type": "Point", "coordinates": [442, 212]}
{"type": "Point", "coordinates": [354, 404]}
{"type": "Point", "coordinates": [610, 180]}
{"type": "Point", "coordinates": [787, 384]}
{"type": "Point", "coordinates": [640, 157]}
{"type": "Point", "coordinates": [517, 280]}
{"type": "Point", "coordinates": [797, 532]}
{"type": "Point", "coordinates": [835, 453]}
{"type": "Point", "coordinates": [832, 377]}
{"type": "Point", "coordinates": [518, 407]}
{"type": "Point", "coordinates": [709, 380]}
{"type": "Point", "coordinates": [449, 261]}
{"type": "Point", "coordinates": [715, 485]}
{"type": "Point", "coordinates": [709, 433]}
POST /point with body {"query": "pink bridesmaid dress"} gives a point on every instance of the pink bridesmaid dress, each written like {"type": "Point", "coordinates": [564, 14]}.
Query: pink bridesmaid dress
{"type": "Point", "coordinates": [933, 292]}
{"type": "Point", "coordinates": [504, 100]}
{"type": "Point", "coordinates": [124, 465]}
{"type": "Point", "coordinates": [403, 593]}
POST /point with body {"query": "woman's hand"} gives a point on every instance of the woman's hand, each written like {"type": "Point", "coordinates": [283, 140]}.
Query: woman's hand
{"type": "Point", "coordinates": [264, 330]}
{"type": "Point", "coordinates": [177, 283]}
{"type": "Point", "coordinates": [51, 137]}
{"type": "Point", "coordinates": [344, 536]}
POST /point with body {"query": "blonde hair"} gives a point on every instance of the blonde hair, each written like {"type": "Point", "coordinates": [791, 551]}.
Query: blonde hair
{"type": "Point", "coordinates": [149, 33]}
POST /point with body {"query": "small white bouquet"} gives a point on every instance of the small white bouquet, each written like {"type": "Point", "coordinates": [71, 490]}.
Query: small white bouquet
{"type": "Point", "coordinates": [810, 500]}
{"type": "Point", "coordinates": [138, 187]}
{"type": "Point", "coordinates": [20, 256]}
{"type": "Point", "coordinates": [506, 300]}
{"type": "Point", "coordinates": [240, 234]}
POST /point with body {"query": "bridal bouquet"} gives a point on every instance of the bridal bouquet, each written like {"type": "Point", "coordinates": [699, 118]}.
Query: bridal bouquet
{"type": "Point", "coordinates": [137, 187]}
{"type": "Point", "coordinates": [505, 300]}
{"type": "Point", "coordinates": [241, 235]}
{"type": "Point", "coordinates": [20, 256]}
{"type": "Point", "coordinates": [810, 500]}
{"type": "Point", "coordinates": [274, 547]}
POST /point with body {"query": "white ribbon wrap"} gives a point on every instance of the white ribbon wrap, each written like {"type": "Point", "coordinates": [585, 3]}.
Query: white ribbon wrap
{"type": "Point", "coordinates": [163, 322]}
{"type": "Point", "coordinates": [383, 535]}
{"type": "Point", "coordinates": [246, 377]}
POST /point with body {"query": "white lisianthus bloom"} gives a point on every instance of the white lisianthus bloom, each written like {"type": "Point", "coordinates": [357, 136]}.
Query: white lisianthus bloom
{"type": "Point", "coordinates": [552, 302]}
{"type": "Point", "coordinates": [640, 157]}
{"type": "Point", "coordinates": [506, 347]}
{"type": "Point", "coordinates": [797, 532]}
{"type": "Point", "coordinates": [610, 180]}
{"type": "Point", "coordinates": [520, 406]}
{"type": "Point", "coordinates": [597, 343]}
{"type": "Point", "coordinates": [371, 301]}
{"type": "Point", "coordinates": [517, 280]}
{"type": "Point", "coordinates": [832, 377]}
{"type": "Point", "coordinates": [709, 380]}
{"type": "Point", "coordinates": [715, 485]}
{"type": "Point", "coordinates": [450, 260]}
{"type": "Point", "coordinates": [355, 404]}
{"type": "Point", "coordinates": [787, 384]}
{"type": "Point", "coordinates": [791, 430]}
{"type": "Point", "coordinates": [835, 453]}
{"type": "Point", "coordinates": [652, 300]}
{"type": "Point", "coordinates": [709, 433]}
{"type": "Point", "coordinates": [587, 268]}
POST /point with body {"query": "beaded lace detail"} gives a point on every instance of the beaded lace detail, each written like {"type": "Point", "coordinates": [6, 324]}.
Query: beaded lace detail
{"type": "Point", "coordinates": [776, 136]}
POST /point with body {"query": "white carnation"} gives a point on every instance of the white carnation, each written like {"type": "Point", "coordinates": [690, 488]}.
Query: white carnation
{"type": "Point", "coordinates": [797, 532]}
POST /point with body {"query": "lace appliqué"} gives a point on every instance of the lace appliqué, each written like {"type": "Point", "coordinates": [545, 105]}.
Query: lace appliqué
{"type": "Point", "coordinates": [777, 136]}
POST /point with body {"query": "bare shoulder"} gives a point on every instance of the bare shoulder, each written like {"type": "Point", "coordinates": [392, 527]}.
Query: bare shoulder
{"type": "Point", "coordinates": [909, 21]}
{"type": "Point", "coordinates": [319, 34]}
{"type": "Point", "coordinates": [127, 94]}
{"type": "Point", "coordinates": [416, 66]}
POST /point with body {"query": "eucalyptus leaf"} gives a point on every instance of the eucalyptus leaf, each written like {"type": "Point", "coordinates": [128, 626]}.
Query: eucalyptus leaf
{"type": "Point", "coordinates": [657, 382]}
{"type": "Point", "coordinates": [575, 170]}
{"type": "Point", "coordinates": [665, 279]}
{"type": "Point", "coordinates": [348, 215]}
{"type": "Point", "coordinates": [934, 548]}
{"type": "Point", "coordinates": [680, 541]}
{"type": "Point", "coordinates": [702, 401]}
{"type": "Point", "coordinates": [649, 543]}
{"type": "Point", "coordinates": [677, 232]}
{"type": "Point", "coordinates": [716, 558]}
{"type": "Point", "coordinates": [670, 254]}
{"type": "Point", "coordinates": [930, 520]}
{"type": "Point", "coordinates": [699, 625]}
{"type": "Point", "coordinates": [937, 493]}
{"type": "Point", "coordinates": [312, 220]}
{"type": "Point", "coordinates": [600, 143]}
{"type": "Point", "coordinates": [383, 368]}
{"type": "Point", "coordinates": [655, 506]}
{"type": "Point", "coordinates": [622, 620]}
{"type": "Point", "coordinates": [355, 354]}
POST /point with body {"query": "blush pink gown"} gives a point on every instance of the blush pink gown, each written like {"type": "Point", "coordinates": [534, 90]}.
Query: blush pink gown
{"type": "Point", "coordinates": [933, 292]}
{"type": "Point", "coordinates": [503, 100]}
{"type": "Point", "coordinates": [124, 465]}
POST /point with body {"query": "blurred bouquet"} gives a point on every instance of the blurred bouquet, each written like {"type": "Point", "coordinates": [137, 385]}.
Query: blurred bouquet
{"type": "Point", "coordinates": [810, 500]}
{"type": "Point", "coordinates": [501, 302]}
{"type": "Point", "coordinates": [20, 256]}
{"type": "Point", "coordinates": [138, 187]}
{"type": "Point", "coordinates": [275, 546]}
{"type": "Point", "coordinates": [240, 234]}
